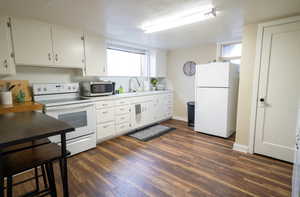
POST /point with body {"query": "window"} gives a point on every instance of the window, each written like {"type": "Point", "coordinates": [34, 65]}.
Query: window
{"type": "Point", "coordinates": [230, 52]}
{"type": "Point", "coordinates": [122, 61]}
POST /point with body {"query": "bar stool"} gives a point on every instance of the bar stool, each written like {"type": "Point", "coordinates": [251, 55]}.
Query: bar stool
{"type": "Point", "coordinates": [31, 158]}
{"type": "Point", "coordinates": [24, 146]}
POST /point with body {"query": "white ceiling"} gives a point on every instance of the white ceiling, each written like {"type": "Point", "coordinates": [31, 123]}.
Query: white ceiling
{"type": "Point", "coordinates": [120, 19]}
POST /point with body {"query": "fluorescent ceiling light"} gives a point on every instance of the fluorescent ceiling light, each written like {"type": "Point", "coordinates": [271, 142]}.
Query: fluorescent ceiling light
{"type": "Point", "coordinates": [180, 19]}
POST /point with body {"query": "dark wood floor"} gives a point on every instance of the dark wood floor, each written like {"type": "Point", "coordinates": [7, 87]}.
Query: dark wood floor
{"type": "Point", "coordinates": [180, 163]}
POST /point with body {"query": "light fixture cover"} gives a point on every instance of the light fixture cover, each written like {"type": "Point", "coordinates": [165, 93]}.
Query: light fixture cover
{"type": "Point", "coordinates": [183, 18]}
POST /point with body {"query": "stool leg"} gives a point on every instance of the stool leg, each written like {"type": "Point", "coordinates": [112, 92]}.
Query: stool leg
{"type": "Point", "coordinates": [51, 179]}
{"type": "Point", "coordinates": [36, 175]}
{"type": "Point", "coordinates": [9, 186]}
{"type": "Point", "coordinates": [44, 176]}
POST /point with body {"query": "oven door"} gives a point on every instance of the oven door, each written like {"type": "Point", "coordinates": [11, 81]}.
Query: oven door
{"type": "Point", "coordinates": [81, 116]}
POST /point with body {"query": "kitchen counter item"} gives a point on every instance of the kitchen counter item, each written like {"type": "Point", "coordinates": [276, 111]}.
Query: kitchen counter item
{"type": "Point", "coordinates": [6, 98]}
{"type": "Point", "coordinates": [21, 107]}
{"type": "Point", "coordinates": [22, 85]}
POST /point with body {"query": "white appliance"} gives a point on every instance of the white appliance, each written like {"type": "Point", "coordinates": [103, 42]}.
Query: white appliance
{"type": "Point", "coordinates": [62, 101]}
{"type": "Point", "coordinates": [296, 168]}
{"type": "Point", "coordinates": [216, 98]}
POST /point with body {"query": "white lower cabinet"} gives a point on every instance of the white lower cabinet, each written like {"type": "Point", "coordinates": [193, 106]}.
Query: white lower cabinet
{"type": "Point", "coordinates": [105, 115]}
{"type": "Point", "coordinates": [106, 130]}
{"type": "Point", "coordinates": [120, 116]}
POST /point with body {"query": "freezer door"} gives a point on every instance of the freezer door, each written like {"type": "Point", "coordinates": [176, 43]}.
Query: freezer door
{"type": "Point", "coordinates": [211, 111]}
{"type": "Point", "coordinates": [213, 75]}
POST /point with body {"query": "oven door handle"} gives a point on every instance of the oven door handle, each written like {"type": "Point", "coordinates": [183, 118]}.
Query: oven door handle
{"type": "Point", "coordinates": [74, 106]}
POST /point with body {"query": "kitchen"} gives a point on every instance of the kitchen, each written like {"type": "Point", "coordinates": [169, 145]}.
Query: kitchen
{"type": "Point", "coordinates": [124, 89]}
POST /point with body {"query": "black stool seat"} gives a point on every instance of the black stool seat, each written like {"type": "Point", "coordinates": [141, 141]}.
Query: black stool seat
{"type": "Point", "coordinates": [27, 159]}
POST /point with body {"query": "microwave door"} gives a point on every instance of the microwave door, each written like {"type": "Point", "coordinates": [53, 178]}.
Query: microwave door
{"type": "Point", "coordinates": [101, 88]}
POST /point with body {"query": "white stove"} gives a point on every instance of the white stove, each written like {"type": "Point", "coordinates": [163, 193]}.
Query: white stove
{"type": "Point", "coordinates": [62, 101]}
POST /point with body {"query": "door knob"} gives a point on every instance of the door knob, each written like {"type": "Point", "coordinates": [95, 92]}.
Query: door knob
{"type": "Point", "coordinates": [262, 100]}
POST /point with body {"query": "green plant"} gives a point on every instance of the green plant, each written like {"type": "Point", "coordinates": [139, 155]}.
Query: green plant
{"type": "Point", "coordinates": [154, 82]}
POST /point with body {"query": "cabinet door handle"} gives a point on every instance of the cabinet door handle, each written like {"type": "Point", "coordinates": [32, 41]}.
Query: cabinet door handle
{"type": "Point", "coordinates": [5, 64]}
{"type": "Point", "coordinates": [56, 57]}
{"type": "Point", "coordinates": [49, 56]}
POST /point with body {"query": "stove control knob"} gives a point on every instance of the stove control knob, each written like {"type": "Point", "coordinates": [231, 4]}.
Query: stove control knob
{"type": "Point", "coordinates": [39, 89]}
{"type": "Point", "coordinates": [69, 87]}
{"type": "Point", "coordinates": [45, 89]}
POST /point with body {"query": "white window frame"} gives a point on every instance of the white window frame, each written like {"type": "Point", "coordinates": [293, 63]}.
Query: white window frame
{"type": "Point", "coordinates": [219, 51]}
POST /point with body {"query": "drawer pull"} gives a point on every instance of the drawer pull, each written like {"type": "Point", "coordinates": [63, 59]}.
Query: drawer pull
{"type": "Point", "coordinates": [105, 112]}
{"type": "Point", "coordinates": [105, 126]}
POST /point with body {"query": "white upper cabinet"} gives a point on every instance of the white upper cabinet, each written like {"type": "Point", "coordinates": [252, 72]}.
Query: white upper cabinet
{"type": "Point", "coordinates": [32, 42]}
{"type": "Point", "coordinates": [41, 44]}
{"type": "Point", "coordinates": [158, 63]}
{"type": "Point", "coordinates": [67, 47]}
{"type": "Point", "coordinates": [95, 55]}
{"type": "Point", "coordinates": [7, 66]}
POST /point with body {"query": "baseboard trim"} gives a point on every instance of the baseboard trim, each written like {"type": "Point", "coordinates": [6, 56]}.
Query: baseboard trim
{"type": "Point", "coordinates": [241, 148]}
{"type": "Point", "coordinates": [179, 118]}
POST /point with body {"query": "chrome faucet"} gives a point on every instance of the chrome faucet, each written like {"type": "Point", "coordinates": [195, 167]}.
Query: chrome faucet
{"type": "Point", "coordinates": [130, 84]}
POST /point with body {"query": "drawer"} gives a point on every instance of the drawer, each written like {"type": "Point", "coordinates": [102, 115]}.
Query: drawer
{"type": "Point", "coordinates": [105, 115]}
{"type": "Point", "coordinates": [105, 104]}
{"type": "Point", "coordinates": [122, 127]}
{"type": "Point", "coordinates": [122, 109]}
{"type": "Point", "coordinates": [105, 130]}
{"type": "Point", "coordinates": [122, 118]}
{"type": "Point", "coordinates": [122, 102]}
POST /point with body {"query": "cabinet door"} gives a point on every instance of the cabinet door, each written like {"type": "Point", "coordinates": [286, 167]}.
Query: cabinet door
{"type": "Point", "coordinates": [95, 55]}
{"type": "Point", "coordinates": [32, 42]}
{"type": "Point", "coordinates": [67, 47]}
{"type": "Point", "coordinates": [158, 63]}
{"type": "Point", "coordinates": [7, 66]}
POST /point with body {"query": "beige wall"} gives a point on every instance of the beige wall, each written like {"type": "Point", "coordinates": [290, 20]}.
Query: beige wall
{"type": "Point", "coordinates": [182, 85]}
{"type": "Point", "coordinates": [246, 81]}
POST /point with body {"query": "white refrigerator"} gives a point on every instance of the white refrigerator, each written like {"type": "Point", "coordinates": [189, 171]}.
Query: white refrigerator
{"type": "Point", "coordinates": [216, 98]}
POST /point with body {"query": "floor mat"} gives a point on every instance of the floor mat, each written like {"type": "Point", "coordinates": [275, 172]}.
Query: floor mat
{"type": "Point", "coordinates": [149, 133]}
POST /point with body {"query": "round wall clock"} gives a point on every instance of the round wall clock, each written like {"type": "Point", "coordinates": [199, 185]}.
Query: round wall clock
{"type": "Point", "coordinates": [189, 68]}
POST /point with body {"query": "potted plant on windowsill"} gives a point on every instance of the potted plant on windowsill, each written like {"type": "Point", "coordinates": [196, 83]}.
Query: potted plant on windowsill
{"type": "Point", "coordinates": [154, 83]}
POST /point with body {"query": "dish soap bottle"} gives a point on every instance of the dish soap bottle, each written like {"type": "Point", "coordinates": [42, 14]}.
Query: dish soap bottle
{"type": "Point", "coordinates": [121, 90]}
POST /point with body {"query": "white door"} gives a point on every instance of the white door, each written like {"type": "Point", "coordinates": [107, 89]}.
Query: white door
{"type": "Point", "coordinates": [32, 42]}
{"type": "Point", "coordinates": [67, 47]}
{"type": "Point", "coordinates": [6, 62]}
{"type": "Point", "coordinates": [279, 92]}
{"type": "Point", "coordinates": [211, 109]}
{"type": "Point", "coordinates": [95, 55]}
{"type": "Point", "coordinates": [213, 75]}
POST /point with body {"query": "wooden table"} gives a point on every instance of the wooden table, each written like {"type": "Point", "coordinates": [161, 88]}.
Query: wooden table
{"type": "Point", "coordinates": [21, 127]}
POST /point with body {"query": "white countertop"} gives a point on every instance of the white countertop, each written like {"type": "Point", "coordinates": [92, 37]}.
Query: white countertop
{"type": "Point", "coordinates": [128, 95]}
